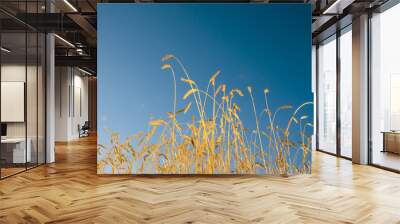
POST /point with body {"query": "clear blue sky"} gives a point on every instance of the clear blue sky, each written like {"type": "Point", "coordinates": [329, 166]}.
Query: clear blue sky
{"type": "Point", "coordinates": [261, 45]}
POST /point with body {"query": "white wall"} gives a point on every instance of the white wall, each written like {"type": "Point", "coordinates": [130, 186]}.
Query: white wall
{"type": "Point", "coordinates": [70, 83]}
{"type": "Point", "coordinates": [79, 117]}
{"type": "Point", "coordinates": [61, 103]}
{"type": "Point", "coordinates": [17, 73]}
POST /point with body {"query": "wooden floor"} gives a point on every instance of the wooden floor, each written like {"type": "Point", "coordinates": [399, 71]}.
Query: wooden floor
{"type": "Point", "coordinates": [5, 172]}
{"type": "Point", "coordinates": [387, 159]}
{"type": "Point", "coordinates": [69, 191]}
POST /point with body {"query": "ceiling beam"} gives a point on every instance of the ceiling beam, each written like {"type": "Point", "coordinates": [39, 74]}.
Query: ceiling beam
{"type": "Point", "coordinates": [85, 25]}
{"type": "Point", "coordinates": [78, 61]}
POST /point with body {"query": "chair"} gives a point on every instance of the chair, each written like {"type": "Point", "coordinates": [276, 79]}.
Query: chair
{"type": "Point", "coordinates": [84, 130]}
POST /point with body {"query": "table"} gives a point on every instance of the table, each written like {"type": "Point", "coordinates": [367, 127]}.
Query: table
{"type": "Point", "coordinates": [17, 150]}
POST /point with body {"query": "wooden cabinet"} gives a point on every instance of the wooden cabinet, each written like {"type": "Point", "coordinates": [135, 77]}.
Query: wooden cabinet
{"type": "Point", "coordinates": [391, 142]}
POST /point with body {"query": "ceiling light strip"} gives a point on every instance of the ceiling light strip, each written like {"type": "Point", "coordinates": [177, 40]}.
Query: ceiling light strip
{"type": "Point", "coordinates": [64, 40]}
{"type": "Point", "coordinates": [84, 71]}
{"type": "Point", "coordinates": [331, 7]}
{"type": "Point", "coordinates": [5, 50]}
{"type": "Point", "coordinates": [70, 5]}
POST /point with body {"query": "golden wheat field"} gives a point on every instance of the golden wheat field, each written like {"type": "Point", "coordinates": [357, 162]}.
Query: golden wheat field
{"type": "Point", "coordinates": [215, 141]}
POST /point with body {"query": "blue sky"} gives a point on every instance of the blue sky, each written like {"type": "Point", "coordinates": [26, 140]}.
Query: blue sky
{"type": "Point", "coordinates": [258, 45]}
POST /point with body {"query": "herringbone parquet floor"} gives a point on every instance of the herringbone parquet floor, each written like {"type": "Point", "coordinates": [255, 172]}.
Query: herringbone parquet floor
{"type": "Point", "coordinates": [69, 191]}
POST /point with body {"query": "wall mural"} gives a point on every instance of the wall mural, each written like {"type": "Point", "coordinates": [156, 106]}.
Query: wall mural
{"type": "Point", "coordinates": [204, 89]}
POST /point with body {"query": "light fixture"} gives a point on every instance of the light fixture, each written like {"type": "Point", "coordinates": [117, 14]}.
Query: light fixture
{"type": "Point", "coordinates": [329, 9]}
{"type": "Point", "coordinates": [80, 51]}
{"type": "Point", "coordinates": [65, 41]}
{"type": "Point", "coordinates": [337, 7]}
{"type": "Point", "coordinates": [70, 5]}
{"type": "Point", "coordinates": [5, 50]}
{"type": "Point", "coordinates": [84, 71]}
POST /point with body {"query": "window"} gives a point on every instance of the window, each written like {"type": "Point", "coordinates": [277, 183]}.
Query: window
{"type": "Point", "coordinates": [327, 95]}
{"type": "Point", "coordinates": [346, 93]}
{"type": "Point", "coordinates": [335, 94]}
{"type": "Point", "coordinates": [22, 101]}
{"type": "Point", "coordinates": [385, 88]}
